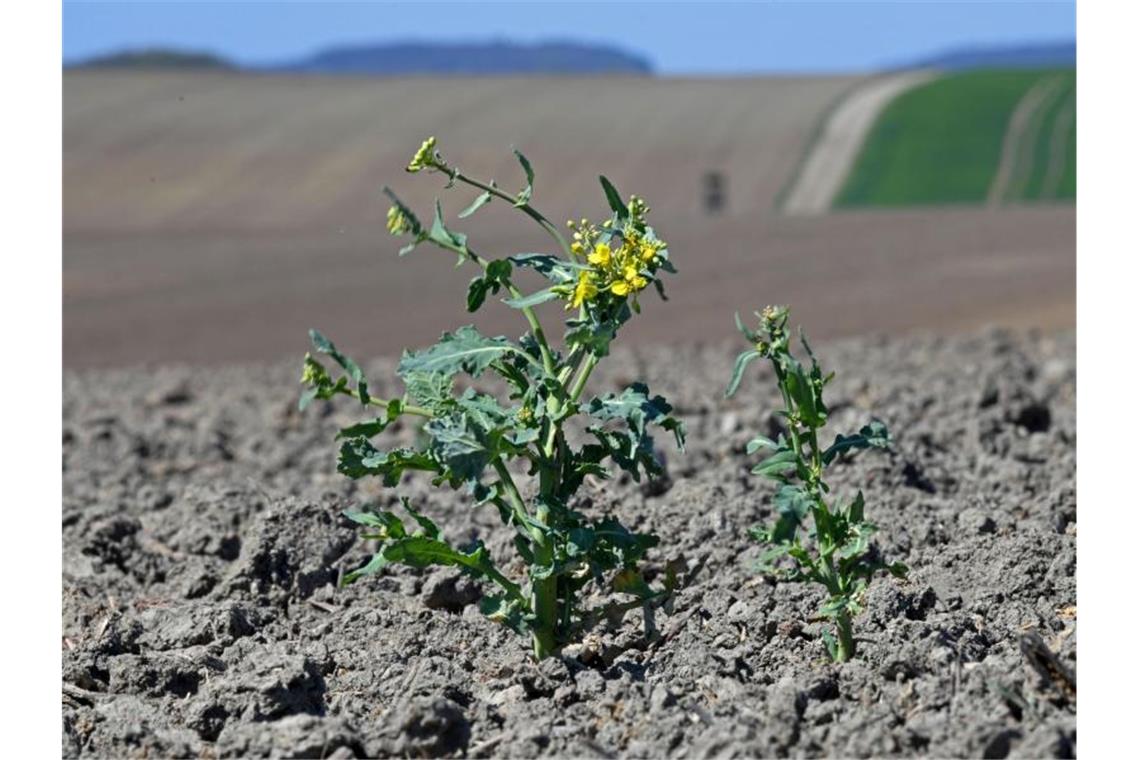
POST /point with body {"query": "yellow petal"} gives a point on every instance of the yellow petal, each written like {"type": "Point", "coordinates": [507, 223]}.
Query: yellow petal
{"type": "Point", "coordinates": [620, 288]}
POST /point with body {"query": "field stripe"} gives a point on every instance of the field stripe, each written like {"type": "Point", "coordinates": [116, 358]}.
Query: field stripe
{"type": "Point", "coordinates": [1058, 152]}
{"type": "Point", "coordinates": [834, 153]}
{"type": "Point", "coordinates": [1017, 145]}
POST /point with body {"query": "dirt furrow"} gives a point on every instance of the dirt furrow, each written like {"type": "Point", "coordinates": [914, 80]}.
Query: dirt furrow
{"type": "Point", "coordinates": [831, 157]}
{"type": "Point", "coordinates": [1019, 137]}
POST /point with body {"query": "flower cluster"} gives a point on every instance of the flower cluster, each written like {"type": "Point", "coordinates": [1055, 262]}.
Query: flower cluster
{"type": "Point", "coordinates": [425, 157]}
{"type": "Point", "coordinates": [621, 262]}
{"type": "Point", "coordinates": [398, 221]}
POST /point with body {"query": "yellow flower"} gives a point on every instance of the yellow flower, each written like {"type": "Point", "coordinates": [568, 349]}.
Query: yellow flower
{"type": "Point", "coordinates": [631, 281]}
{"type": "Point", "coordinates": [648, 250]}
{"type": "Point", "coordinates": [576, 247]}
{"type": "Point", "coordinates": [601, 255]}
{"type": "Point", "coordinates": [585, 290]}
{"type": "Point", "coordinates": [398, 222]}
{"type": "Point", "coordinates": [424, 157]}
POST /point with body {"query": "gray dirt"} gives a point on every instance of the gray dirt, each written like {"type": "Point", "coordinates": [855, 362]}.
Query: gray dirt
{"type": "Point", "coordinates": [202, 542]}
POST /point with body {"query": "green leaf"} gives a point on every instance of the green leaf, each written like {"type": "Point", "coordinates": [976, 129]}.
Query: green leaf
{"type": "Point", "coordinates": [376, 426]}
{"type": "Point", "coordinates": [873, 435]}
{"type": "Point", "coordinates": [445, 238]}
{"type": "Point", "coordinates": [431, 390]}
{"type": "Point", "coordinates": [761, 442]}
{"type": "Point", "coordinates": [482, 200]}
{"type": "Point", "coordinates": [777, 465]}
{"type": "Point", "coordinates": [534, 299]}
{"type": "Point", "coordinates": [429, 528]}
{"type": "Point", "coordinates": [830, 642]}
{"type": "Point", "coordinates": [374, 565]}
{"type": "Point", "coordinates": [525, 194]}
{"type": "Point", "coordinates": [465, 350]}
{"type": "Point", "coordinates": [559, 271]}
{"type": "Point", "coordinates": [753, 337]}
{"type": "Point", "coordinates": [898, 569]}
{"type": "Point", "coordinates": [461, 446]}
{"type": "Point", "coordinates": [500, 608]}
{"type": "Point", "coordinates": [792, 506]}
{"type": "Point", "coordinates": [613, 197]}
{"type": "Point", "coordinates": [385, 521]}
{"type": "Point", "coordinates": [634, 446]}
{"type": "Point", "coordinates": [358, 458]}
{"type": "Point", "coordinates": [738, 368]}
{"type": "Point", "coordinates": [325, 346]}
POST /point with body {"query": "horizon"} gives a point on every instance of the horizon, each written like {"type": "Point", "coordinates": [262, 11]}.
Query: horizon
{"type": "Point", "coordinates": [768, 38]}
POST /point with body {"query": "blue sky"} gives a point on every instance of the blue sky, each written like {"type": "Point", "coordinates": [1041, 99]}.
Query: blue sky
{"type": "Point", "coordinates": [678, 37]}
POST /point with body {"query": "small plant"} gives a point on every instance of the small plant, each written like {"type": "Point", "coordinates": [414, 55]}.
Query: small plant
{"type": "Point", "coordinates": [472, 438]}
{"type": "Point", "coordinates": [836, 552]}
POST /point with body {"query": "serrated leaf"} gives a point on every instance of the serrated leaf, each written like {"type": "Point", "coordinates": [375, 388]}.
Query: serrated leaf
{"type": "Point", "coordinates": [429, 528]}
{"type": "Point", "coordinates": [559, 271]}
{"type": "Point", "coordinates": [872, 435]}
{"type": "Point", "coordinates": [634, 446]}
{"type": "Point", "coordinates": [792, 506]}
{"type": "Point", "coordinates": [325, 346]}
{"type": "Point", "coordinates": [359, 458]}
{"type": "Point", "coordinates": [500, 608]}
{"type": "Point", "coordinates": [465, 350]}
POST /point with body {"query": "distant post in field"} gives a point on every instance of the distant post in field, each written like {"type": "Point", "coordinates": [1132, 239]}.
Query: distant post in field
{"type": "Point", "coordinates": [713, 192]}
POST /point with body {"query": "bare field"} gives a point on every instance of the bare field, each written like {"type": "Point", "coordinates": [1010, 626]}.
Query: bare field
{"type": "Point", "coordinates": [213, 218]}
{"type": "Point", "coordinates": [240, 152]}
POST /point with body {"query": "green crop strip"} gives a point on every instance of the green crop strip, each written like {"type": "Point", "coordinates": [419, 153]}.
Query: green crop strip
{"type": "Point", "coordinates": [941, 143]}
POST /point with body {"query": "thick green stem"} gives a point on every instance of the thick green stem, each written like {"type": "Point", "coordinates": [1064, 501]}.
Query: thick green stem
{"type": "Point", "coordinates": [544, 591]}
{"type": "Point", "coordinates": [845, 646]}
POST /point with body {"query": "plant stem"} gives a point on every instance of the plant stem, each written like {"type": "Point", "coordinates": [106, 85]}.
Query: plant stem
{"type": "Point", "coordinates": [544, 591]}
{"type": "Point", "coordinates": [514, 497]}
{"type": "Point", "coordinates": [528, 312]}
{"type": "Point", "coordinates": [419, 411]}
{"type": "Point", "coordinates": [583, 375]}
{"type": "Point", "coordinates": [845, 648]}
{"type": "Point", "coordinates": [526, 208]}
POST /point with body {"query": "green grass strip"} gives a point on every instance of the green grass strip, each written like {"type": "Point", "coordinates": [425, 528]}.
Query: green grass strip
{"type": "Point", "coordinates": [940, 143]}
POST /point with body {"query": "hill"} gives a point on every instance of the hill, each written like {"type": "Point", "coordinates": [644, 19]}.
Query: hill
{"type": "Point", "coordinates": [155, 58]}
{"type": "Point", "coordinates": [471, 58]}
{"type": "Point", "coordinates": [405, 58]}
{"type": "Point", "coordinates": [1035, 56]}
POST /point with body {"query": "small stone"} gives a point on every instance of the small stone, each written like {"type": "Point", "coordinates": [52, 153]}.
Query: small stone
{"type": "Point", "coordinates": [729, 423]}
{"type": "Point", "coordinates": [508, 696]}
{"type": "Point", "coordinates": [974, 521]}
{"type": "Point", "coordinates": [443, 590]}
{"type": "Point", "coordinates": [661, 698]}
